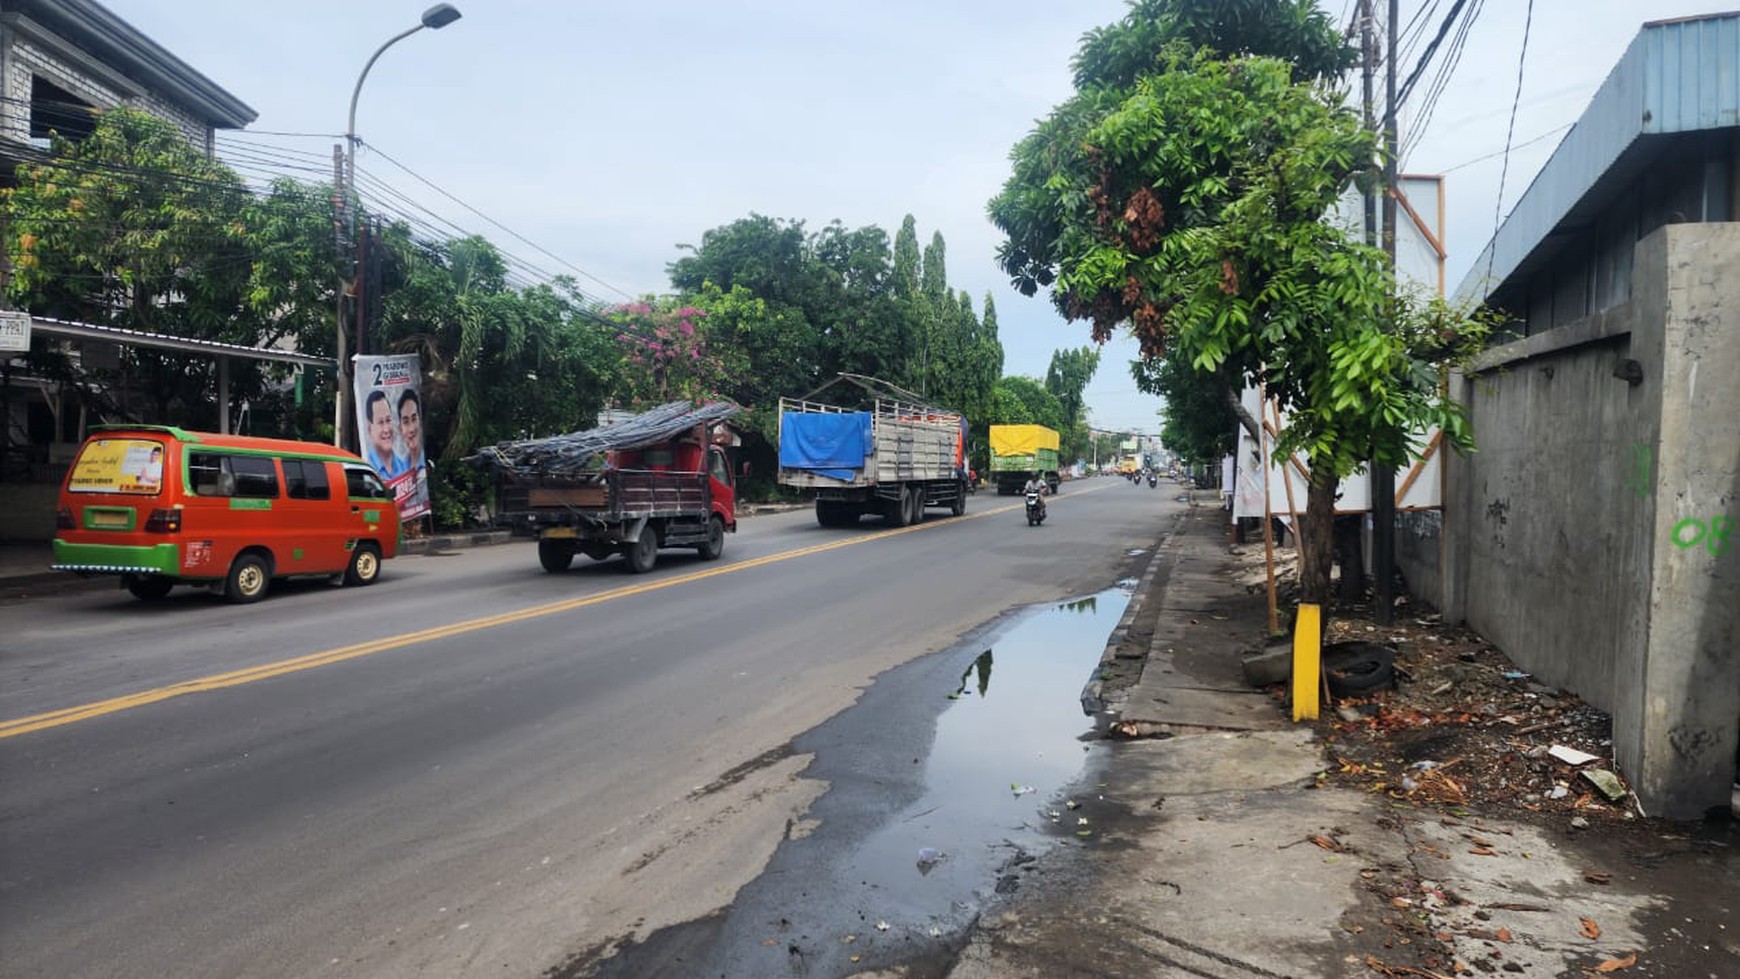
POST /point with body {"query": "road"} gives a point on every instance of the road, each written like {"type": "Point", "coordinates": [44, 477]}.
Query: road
{"type": "Point", "coordinates": [472, 767]}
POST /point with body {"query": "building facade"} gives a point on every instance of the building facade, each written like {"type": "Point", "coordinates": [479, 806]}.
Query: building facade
{"type": "Point", "coordinates": [62, 62]}
{"type": "Point", "coordinates": [1591, 536]}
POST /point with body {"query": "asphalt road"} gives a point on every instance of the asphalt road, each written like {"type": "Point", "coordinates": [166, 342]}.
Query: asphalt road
{"type": "Point", "coordinates": [472, 767]}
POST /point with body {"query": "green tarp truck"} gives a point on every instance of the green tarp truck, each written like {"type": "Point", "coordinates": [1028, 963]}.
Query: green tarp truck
{"type": "Point", "coordinates": [1021, 452]}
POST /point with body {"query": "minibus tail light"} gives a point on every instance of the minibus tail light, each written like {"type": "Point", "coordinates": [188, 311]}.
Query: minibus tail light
{"type": "Point", "coordinates": [63, 519]}
{"type": "Point", "coordinates": [164, 521]}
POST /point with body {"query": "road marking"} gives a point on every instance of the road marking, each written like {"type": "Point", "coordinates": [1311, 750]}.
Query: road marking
{"type": "Point", "coordinates": [266, 671]}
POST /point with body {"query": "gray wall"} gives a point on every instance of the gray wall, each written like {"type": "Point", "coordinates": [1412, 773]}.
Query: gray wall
{"type": "Point", "coordinates": [1558, 533]}
{"type": "Point", "coordinates": [1687, 692]}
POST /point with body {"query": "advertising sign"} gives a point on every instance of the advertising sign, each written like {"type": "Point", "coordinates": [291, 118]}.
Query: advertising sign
{"type": "Point", "coordinates": [14, 331]}
{"type": "Point", "coordinates": [389, 414]}
{"type": "Point", "coordinates": [118, 466]}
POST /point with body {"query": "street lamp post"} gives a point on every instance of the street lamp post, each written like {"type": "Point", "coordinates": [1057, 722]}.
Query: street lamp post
{"type": "Point", "coordinates": [434, 18]}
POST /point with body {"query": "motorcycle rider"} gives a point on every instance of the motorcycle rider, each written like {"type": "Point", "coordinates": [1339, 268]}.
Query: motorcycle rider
{"type": "Point", "coordinates": [1036, 485]}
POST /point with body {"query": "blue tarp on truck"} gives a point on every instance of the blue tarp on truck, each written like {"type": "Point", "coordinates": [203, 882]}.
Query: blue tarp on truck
{"type": "Point", "coordinates": [833, 444]}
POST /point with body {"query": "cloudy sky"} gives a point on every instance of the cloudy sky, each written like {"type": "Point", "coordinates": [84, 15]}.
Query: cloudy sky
{"type": "Point", "coordinates": [603, 134]}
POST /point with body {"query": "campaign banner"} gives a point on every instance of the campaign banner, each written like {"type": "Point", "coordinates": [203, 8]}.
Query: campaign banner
{"type": "Point", "coordinates": [389, 418]}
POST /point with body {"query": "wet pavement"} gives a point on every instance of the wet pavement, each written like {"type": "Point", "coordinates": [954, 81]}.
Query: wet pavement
{"type": "Point", "coordinates": [945, 781]}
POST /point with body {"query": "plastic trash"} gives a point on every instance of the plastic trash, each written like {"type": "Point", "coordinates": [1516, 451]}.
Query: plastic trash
{"type": "Point", "coordinates": [928, 858]}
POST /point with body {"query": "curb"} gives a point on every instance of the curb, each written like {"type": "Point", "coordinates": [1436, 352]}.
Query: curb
{"type": "Point", "coordinates": [1092, 699]}
{"type": "Point", "coordinates": [448, 542]}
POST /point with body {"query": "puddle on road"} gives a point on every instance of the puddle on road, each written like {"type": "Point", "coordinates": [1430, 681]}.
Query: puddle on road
{"type": "Point", "coordinates": [1010, 741]}
{"type": "Point", "coordinates": [901, 860]}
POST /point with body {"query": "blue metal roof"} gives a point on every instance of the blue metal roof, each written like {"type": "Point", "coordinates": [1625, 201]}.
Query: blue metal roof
{"type": "Point", "coordinates": [1677, 76]}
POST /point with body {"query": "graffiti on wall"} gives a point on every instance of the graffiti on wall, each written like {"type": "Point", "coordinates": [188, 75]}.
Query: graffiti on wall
{"type": "Point", "coordinates": [1640, 478]}
{"type": "Point", "coordinates": [1714, 534]}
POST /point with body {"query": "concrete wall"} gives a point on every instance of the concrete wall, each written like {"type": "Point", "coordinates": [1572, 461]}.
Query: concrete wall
{"type": "Point", "coordinates": [1558, 534]}
{"type": "Point", "coordinates": [27, 511]}
{"type": "Point", "coordinates": [1683, 746]}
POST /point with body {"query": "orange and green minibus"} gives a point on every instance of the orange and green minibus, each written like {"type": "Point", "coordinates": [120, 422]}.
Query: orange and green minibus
{"type": "Point", "coordinates": [161, 506]}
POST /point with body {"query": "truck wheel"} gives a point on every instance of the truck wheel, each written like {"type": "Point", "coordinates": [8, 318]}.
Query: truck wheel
{"type": "Point", "coordinates": [898, 511]}
{"type": "Point", "coordinates": [149, 587]}
{"type": "Point", "coordinates": [917, 501]}
{"type": "Point", "coordinates": [365, 565]}
{"type": "Point", "coordinates": [247, 580]}
{"type": "Point", "coordinates": [555, 555]}
{"type": "Point", "coordinates": [640, 556]}
{"type": "Point", "coordinates": [715, 544]}
{"type": "Point", "coordinates": [959, 506]}
{"type": "Point", "coordinates": [833, 513]}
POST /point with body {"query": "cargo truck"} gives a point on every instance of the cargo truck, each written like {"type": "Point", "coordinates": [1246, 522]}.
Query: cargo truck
{"type": "Point", "coordinates": [1023, 452]}
{"type": "Point", "coordinates": [654, 480]}
{"type": "Point", "coordinates": [861, 445]}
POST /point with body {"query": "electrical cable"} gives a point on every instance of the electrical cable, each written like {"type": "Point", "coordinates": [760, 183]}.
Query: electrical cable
{"type": "Point", "coordinates": [1498, 202]}
{"type": "Point", "coordinates": [499, 225]}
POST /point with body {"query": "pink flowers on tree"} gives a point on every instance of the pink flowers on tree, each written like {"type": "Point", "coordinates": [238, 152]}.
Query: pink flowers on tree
{"type": "Point", "coordinates": [665, 356]}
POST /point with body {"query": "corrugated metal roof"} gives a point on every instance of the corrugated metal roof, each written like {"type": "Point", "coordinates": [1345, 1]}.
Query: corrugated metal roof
{"type": "Point", "coordinates": [1677, 76]}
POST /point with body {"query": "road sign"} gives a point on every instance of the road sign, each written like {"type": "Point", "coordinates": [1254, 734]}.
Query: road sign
{"type": "Point", "coordinates": [14, 330]}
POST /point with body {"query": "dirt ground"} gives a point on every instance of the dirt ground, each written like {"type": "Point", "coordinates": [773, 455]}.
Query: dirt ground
{"type": "Point", "coordinates": [1466, 737]}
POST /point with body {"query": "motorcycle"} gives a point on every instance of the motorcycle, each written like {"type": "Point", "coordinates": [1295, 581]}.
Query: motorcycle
{"type": "Point", "coordinates": [1035, 509]}
{"type": "Point", "coordinates": [1153, 480]}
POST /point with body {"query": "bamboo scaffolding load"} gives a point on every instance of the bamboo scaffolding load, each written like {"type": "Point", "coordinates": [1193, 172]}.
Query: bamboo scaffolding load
{"type": "Point", "coordinates": [580, 453]}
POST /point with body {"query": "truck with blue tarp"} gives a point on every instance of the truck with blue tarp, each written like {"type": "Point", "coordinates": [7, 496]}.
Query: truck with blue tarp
{"type": "Point", "coordinates": [866, 446]}
{"type": "Point", "coordinates": [1023, 452]}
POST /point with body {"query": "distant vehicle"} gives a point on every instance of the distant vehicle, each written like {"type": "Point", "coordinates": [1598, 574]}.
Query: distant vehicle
{"type": "Point", "coordinates": [650, 481]}
{"type": "Point", "coordinates": [1023, 452]}
{"type": "Point", "coordinates": [865, 446]}
{"type": "Point", "coordinates": [161, 506]}
{"type": "Point", "coordinates": [1035, 509]}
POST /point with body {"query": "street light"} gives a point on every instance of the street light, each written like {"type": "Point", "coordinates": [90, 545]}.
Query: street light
{"type": "Point", "coordinates": [434, 18]}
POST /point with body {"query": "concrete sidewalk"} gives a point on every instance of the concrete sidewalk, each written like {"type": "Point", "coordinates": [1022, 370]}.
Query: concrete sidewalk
{"type": "Point", "coordinates": [1210, 845]}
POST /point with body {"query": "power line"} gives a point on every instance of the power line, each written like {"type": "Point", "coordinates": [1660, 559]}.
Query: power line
{"type": "Point", "coordinates": [1529, 142]}
{"type": "Point", "coordinates": [1426, 58]}
{"type": "Point", "coordinates": [501, 226]}
{"type": "Point", "coordinates": [1498, 202]}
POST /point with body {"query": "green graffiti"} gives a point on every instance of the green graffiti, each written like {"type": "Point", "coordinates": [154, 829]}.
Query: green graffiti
{"type": "Point", "coordinates": [1642, 466]}
{"type": "Point", "coordinates": [1714, 535]}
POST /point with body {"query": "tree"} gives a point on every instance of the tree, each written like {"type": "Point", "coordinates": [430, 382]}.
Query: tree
{"type": "Point", "coordinates": [1024, 401]}
{"type": "Point", "coordinates": [1189, 205]}
{"type": "Point", "coordinates": [1196, 421]}
{"type": "Point", "coordinates": [1067, 378]}
{"type": "Point", "coordinates": [134, 228]}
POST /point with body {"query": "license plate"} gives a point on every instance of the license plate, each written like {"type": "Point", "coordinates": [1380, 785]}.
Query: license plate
{"type": "Point", "coordinates": [109, 519]}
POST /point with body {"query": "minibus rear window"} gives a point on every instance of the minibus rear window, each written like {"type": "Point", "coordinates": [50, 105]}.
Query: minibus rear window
{"type": "Point", "coordinates": [118, 465]}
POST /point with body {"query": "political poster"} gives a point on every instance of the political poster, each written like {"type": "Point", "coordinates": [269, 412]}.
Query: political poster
{"type": "Point", "coordinates": [389, 416]}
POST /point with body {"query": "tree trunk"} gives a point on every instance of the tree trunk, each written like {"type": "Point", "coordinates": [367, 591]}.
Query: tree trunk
{"type": "Point", "coordinates": [1317, 539]}
{"type": "Point", "coordinates": [1245, 419]}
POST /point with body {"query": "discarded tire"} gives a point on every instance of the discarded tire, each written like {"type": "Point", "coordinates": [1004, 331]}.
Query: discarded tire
{"type": "Point", "coordinates": [1354, 668]}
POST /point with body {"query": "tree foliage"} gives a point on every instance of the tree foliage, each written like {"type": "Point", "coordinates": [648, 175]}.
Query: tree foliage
{"type": "Point", "coordinates": [1182, 194]}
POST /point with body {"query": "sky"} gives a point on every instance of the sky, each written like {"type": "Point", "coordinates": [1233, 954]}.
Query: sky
{"type": "Point", "coordinates": [593, 138]}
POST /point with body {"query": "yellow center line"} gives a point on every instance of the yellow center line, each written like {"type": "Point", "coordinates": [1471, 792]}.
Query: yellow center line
{"type": "Point", "coordinates": [235, 678]}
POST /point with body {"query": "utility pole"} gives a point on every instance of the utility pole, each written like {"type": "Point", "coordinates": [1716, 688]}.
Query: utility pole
{"type": "Point", "coordinates": [1383, 477]}
{"type": "Point", "coordinates": [341, 221]}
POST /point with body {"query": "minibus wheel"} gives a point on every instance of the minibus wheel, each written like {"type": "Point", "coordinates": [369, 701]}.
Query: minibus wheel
{"type": "Point", "coordinates": [148, 587]}
{"type": "Point", "coordinates": [365, 565]}
{"type": "Point", "coordinates": [248, 579]}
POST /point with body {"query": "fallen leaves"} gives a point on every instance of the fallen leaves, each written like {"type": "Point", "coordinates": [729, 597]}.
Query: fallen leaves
{"type": "Point", "coordinates": [1614, 965]}
{"type": "Point", "coordinates": [1591, 930]}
